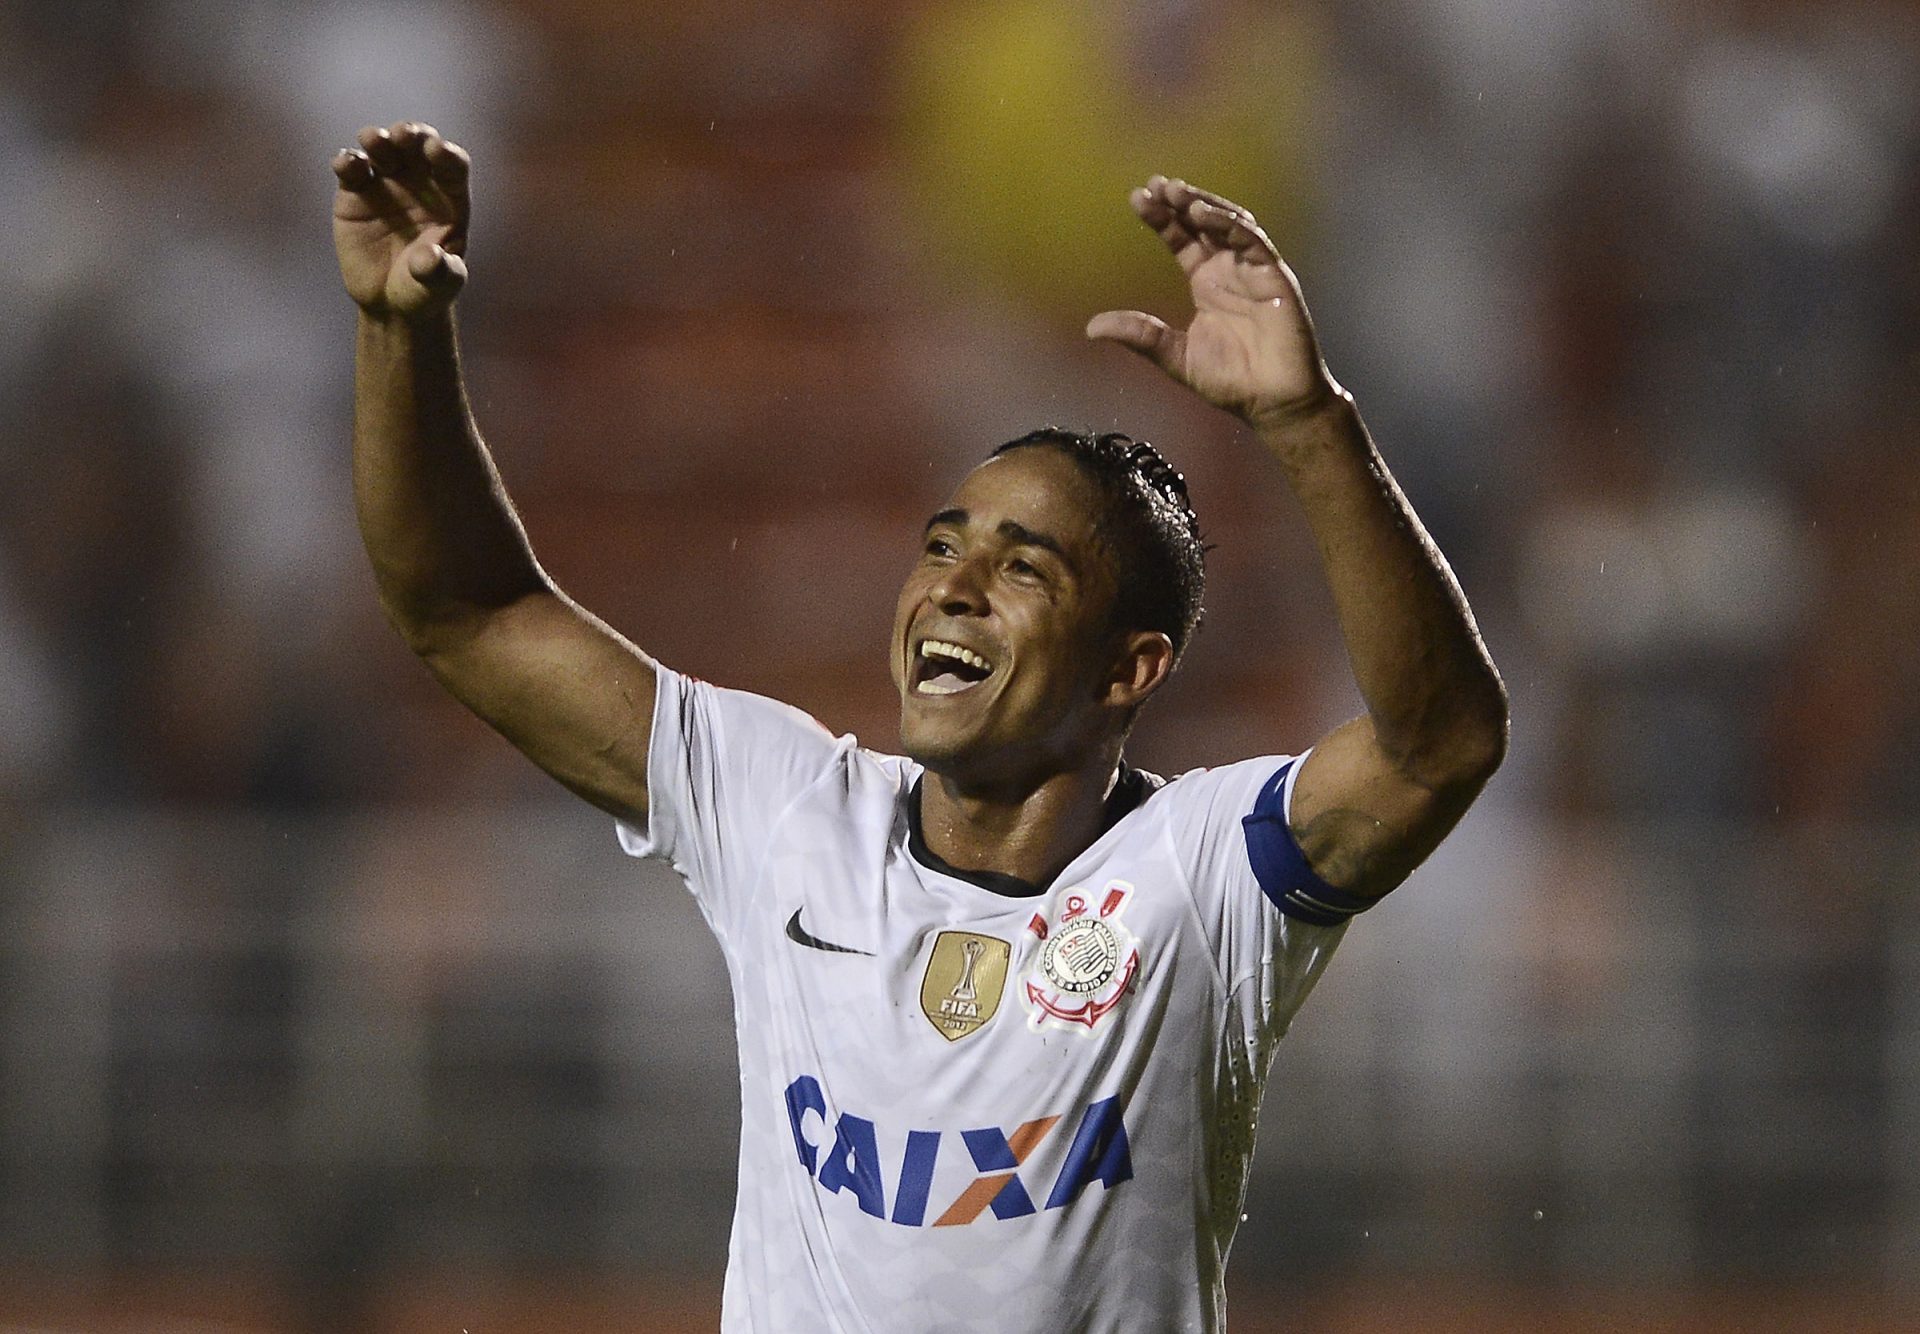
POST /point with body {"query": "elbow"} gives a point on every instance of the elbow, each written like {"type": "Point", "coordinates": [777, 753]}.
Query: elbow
{"type": "Point", "coordinates": [1478, 742]}
{"type": "Point", "coordinates": [1487, 750]}
{"type": "Point", "coordinates": [432, 634]}
{"type": "Point", "coordinates": [436, 623]}
{"type": "Point", "coordinates": [428, 640]}
{"type": "Point", "coordinates": [1463, 740]}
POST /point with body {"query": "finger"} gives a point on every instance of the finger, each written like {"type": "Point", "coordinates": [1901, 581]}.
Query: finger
{"type": "Point", "coordinates": [1250, 243]}
{"type": "Point", "coordinates": [378, 145]}
{"type": "Point", "coordinates": [408, 138]}
{"type": "Point", "coordinates": [407, 134]}
{"type": "Point", "coordinates": [1151, 337]}
{"type": "Point", "coordinates": [1191, 201]}
{"type": "Point", "coordinates": [1150, 204]}
{"type": "Point", "coordinates": [1150, 201]}
{"type": "Point", "coordinates": [353, 170]}
{"type": "Point", "coordinates": [1219, 220]}
{"type": "Point", "coordinates": [436, 268]}
{"type": "Point", "coordinates": [448, 167]}
{"type": "Point", "coordinates": [1154, 210]}
{"type": "Point", "coordinates": [1181, 193]}
{"type": "Point", "coordinates": [447, 161]}
{"type": "Point", "coordinates": [1232, 228]}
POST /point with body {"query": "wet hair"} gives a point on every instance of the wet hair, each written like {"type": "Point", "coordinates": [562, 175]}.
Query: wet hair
{"type": "Point", "coordinates": [1150, 524]}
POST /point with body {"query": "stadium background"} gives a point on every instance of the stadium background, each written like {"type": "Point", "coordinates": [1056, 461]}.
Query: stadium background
{"type": "Point", "coordinates": [322, 1011]}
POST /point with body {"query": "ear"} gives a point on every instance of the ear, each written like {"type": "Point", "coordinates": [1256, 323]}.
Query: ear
{"type": "Point", "coordinates": [1144, 663]}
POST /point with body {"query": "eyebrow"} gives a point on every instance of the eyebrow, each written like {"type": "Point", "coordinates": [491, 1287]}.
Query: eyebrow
{"type": "Point", "coordinates": [1014, 532]}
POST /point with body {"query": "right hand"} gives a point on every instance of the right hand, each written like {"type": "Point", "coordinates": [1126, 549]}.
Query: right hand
{"type": "Point", "coordinates": [400, 220]}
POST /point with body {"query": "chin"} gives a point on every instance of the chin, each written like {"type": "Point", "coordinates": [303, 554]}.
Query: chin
{"type": "Point", "coordinates": [940, 744]}
{"type": "Point", "coordinates": [927, 745]}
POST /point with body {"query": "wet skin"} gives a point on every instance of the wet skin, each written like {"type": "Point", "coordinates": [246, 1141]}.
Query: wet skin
{"type": "Point", "coordinates": [1013, 570]}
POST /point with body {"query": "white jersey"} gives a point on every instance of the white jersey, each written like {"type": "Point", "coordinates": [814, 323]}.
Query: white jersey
{"type": "Point", "coordinates": [967, 1105]}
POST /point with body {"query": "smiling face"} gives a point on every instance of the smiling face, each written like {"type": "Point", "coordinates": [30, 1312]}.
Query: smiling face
{"type": "Point", "coordinates": [1008, 664]}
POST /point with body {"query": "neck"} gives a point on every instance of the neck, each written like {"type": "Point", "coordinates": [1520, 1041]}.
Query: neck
{"type": "Point", "coordinates": [1031, 833]}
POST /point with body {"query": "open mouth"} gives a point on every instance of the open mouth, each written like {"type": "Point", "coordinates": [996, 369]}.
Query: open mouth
{"type": "Point", "coordinates": [943, 668]}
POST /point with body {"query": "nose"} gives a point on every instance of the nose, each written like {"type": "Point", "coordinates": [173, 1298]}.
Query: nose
{"type": "Point", "coordinates": [960, 589]}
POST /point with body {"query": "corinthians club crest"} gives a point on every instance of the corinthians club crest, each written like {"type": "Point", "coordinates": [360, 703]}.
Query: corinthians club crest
{"type": "Point", "coordinates": [1086, 961]}
{"type": "Point", "coordinates": [964, 979]}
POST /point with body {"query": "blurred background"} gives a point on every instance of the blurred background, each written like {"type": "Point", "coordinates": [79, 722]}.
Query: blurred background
{"type": "Point", "coordinates": [321, 1011]}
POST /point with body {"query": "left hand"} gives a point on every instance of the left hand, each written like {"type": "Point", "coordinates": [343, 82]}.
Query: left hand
{"type": "Point", "coordinates": [1250, 347]}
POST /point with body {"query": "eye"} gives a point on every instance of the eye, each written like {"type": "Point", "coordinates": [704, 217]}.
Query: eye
{"type": "Point", "coordinates": [1024, 569]}
{"type": "Point", "coordinates": [940, 546]}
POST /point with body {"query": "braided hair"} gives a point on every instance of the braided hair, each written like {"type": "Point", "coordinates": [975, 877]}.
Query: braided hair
{"type": "Point", "coordinates": [1150, 523]}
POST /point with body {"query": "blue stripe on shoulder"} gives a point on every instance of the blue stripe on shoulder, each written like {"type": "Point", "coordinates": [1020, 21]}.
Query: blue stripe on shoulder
{"type": "Point", "coordinates": [1281, 867]}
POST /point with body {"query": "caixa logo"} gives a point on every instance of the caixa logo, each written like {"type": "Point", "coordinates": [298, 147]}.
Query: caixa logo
{"type": "Point", "coordinates": [993, 1157]}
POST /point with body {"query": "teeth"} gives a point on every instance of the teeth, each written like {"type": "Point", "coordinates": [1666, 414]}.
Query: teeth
{"type": "Point", "coordinates": [940, 648]}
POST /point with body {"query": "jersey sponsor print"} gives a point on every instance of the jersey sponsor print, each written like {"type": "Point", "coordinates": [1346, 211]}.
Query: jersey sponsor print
{"type": "Point", "coordinates": [897, 1189]}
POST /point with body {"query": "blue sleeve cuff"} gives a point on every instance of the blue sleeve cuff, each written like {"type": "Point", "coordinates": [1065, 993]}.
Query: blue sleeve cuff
{"type": "Point", "coordinates": [1280, 867]}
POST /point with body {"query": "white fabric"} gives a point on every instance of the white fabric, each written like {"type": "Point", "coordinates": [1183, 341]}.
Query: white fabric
{"type": "Point", "coordinates": [865, 1125]}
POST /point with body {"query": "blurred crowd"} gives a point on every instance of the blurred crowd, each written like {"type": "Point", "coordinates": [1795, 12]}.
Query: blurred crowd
{"type": "Point", "coordinates": [1622, 289]}
{"type": "Point", "coordinates": [1628, 293]}
{"type": "Point", "coordinates": [1688, 348]}
{"type": "Point", "coordinates": [180, 612]}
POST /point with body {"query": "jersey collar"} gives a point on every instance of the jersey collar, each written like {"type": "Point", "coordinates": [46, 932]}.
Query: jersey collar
{"type": "Point", "coordinates": [1130, 788]}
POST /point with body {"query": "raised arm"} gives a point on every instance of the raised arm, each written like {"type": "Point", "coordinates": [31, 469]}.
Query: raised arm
{"type": "Point", "coordinates": [1380, 792]}
{"type": "Point", "coordinates": [455, 573]}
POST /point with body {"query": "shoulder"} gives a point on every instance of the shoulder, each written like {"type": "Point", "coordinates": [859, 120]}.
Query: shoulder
{"type": "Point", "coordinates": [1208, 816]}
{"type": "Point", "coordinates": [837, 762]}
{"type": "Point", "coordinates": [688, 699]}
{"type": "Point", "coordinates": [1223, 790]}
{"type": "Point", "coordinates": [708, 737]}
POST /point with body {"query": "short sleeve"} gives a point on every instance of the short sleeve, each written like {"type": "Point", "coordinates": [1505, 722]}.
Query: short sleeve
{"type": "Point", "coordinates": [1221, 824]}
{"type": "Point", "coordinates": [722, 767]}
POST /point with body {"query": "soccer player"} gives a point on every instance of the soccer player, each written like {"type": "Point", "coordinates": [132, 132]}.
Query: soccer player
{"type": "Point", "coordinates": [1005, 1003]}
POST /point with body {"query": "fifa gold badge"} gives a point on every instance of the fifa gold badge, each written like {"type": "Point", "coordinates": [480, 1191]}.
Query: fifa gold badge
{"type": "Point", "coordinates": [964, 979]}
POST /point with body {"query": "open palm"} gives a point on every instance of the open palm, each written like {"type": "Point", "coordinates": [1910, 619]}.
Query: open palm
{"type": "Point", "coordinates": [1249, 347]}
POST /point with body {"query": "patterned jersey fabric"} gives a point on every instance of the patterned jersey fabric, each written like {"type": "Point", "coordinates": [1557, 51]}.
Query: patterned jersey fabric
{"type": "Point", "coordinates": [967, 1105]}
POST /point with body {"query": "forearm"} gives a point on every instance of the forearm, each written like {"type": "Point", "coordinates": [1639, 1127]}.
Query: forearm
{"type": "Point", "coordinates": [445, 543]}
{"type": "Point", "coordinates": [1438, 708]}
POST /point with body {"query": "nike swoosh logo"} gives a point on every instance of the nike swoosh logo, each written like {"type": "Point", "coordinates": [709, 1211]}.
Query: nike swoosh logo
{"type": "Point", "coordinates": [798, 935]}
